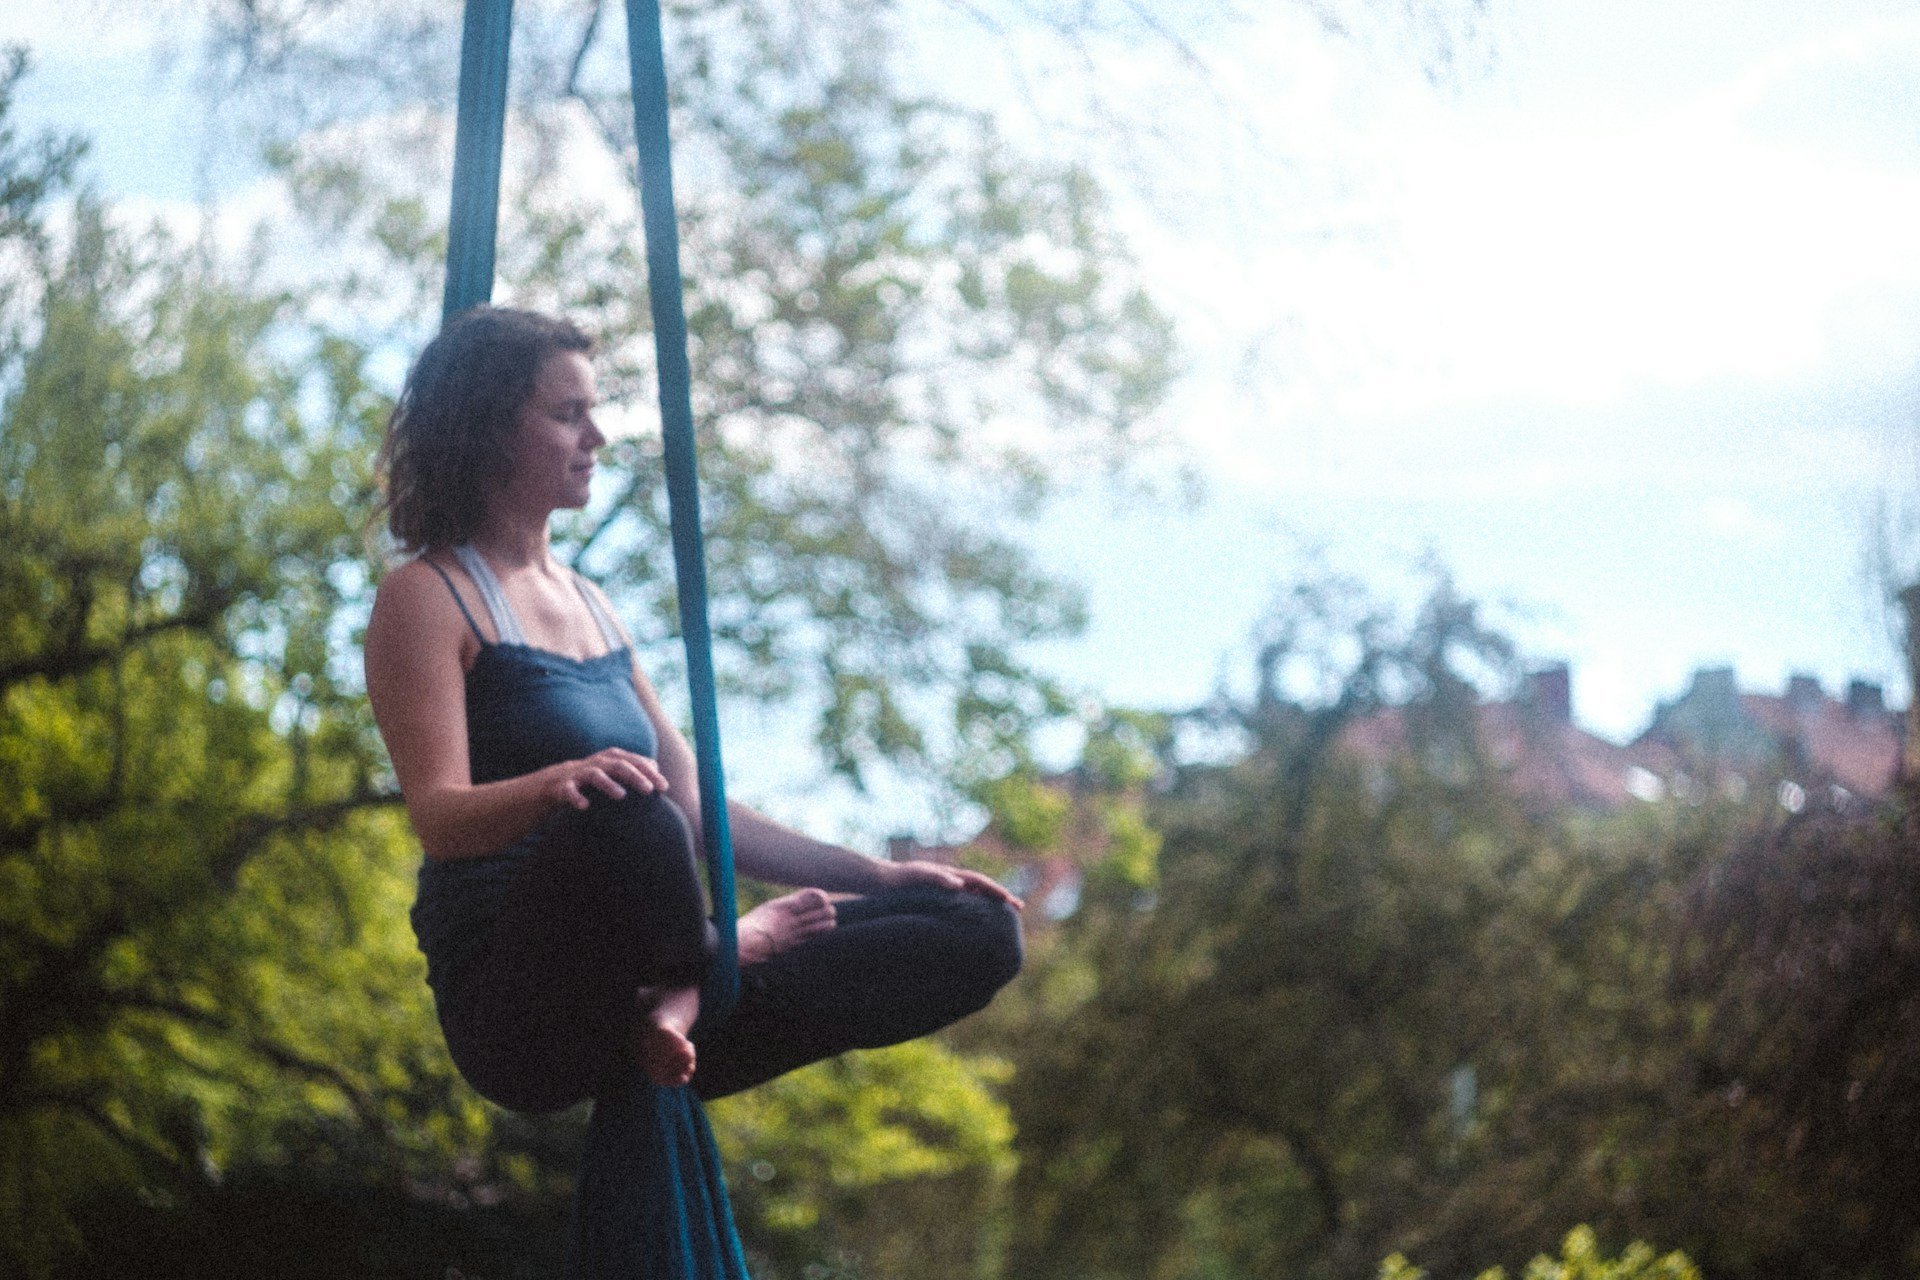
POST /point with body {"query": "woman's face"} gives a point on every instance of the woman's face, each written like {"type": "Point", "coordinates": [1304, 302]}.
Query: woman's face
{"type": "Point", "coordinates": [554, 449]}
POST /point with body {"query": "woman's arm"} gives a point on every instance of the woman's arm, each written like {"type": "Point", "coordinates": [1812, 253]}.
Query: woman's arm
{"type": "Point", "coordinates": [416, 656]}
{"type": "Point", "coordinates": [768, 851]}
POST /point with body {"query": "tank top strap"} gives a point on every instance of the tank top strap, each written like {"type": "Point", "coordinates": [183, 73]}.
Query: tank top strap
{"type": "Point", "coordinates": [455, 593]}
{"type": "Point", "coordinates": [609, 631]}
{"type": "Point", "coordinates": [505, 625]}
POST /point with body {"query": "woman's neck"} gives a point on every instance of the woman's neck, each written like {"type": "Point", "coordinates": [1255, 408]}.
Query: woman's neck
{"type": "Point", "coordinates": [513, 544]}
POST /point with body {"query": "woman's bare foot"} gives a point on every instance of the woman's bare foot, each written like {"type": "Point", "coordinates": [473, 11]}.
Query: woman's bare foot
{"type": "Point", "coordinates": [772, 927]}
{"type": "Point", "coordinates": [660, 1042]}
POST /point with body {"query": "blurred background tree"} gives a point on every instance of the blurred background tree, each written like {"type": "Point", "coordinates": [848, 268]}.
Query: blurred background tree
{"type": "Point", "coordinates": [196, 845]}
{"type": "Point", "coordinates": [1374, 1010]}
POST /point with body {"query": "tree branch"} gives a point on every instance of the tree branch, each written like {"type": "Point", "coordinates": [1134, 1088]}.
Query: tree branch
{"type": "Point", "coordinates": [143, 1150]}
{"type": "Point", "coordinates": [18, 837]}
{"type": "Point", "coordinates": [77, 656]}
{"type": "Point", "coordinates": [53, 993]}
{"type": "Point", "coordinates": [615, 510]}
{"type": "Point", "coordinates": [1319, 1171]}
{"type": "Point", "coordinates": [256, 1042]}
{"type": "Point", "coordinates": [252, 834]}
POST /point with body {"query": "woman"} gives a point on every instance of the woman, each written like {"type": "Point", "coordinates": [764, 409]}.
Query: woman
{"type": "Point", "coordinates": [559, 909]}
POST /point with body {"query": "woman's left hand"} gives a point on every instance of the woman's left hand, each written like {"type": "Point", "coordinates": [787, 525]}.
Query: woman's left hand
{"type": "Point", "coordinates": [902, 875]}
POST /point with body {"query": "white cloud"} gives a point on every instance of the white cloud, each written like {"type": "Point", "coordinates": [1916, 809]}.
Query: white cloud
{"type": "Point", "coordinates": [1415, 254]}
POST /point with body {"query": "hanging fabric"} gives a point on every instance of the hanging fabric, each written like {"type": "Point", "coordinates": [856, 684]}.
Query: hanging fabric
{"type": "Point", "coordinates": [651, 1203]}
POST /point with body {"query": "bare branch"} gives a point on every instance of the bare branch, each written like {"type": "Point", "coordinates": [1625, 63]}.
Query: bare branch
{"type": "Point", "coordinates": [587, 36]}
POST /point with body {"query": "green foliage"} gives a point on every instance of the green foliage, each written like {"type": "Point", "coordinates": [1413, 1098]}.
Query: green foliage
{"type": "Point", "coordinates": [1802, 956]}
{"type": "Point", "coordinates": [1132, 861]}
{"type": "Point", "coordinates": [1310, 1011]}
{"type": "Point", "coordinates": [30, 170]}
{"type": "Point", "coordinates": [882, 1160]}
{"type": "Point", "coordinates": [1370, 1004]}
{"type": "Point", "coordinates": [1125, 748]}
{"type": "Point", "coordinates": [1377, 1004]}
{"type": "Point", "coordinates": [202, 951]}
{"type": "Point", "coordinates": [1029, 815]}
{"type": "Point", "coordinates": [1580, 1259]}
{"type": "Point", "coordinates": [1091, 822]}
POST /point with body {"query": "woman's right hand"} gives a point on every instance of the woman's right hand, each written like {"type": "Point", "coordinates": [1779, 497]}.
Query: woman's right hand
{"type": "Point", "coordinates": [612, 772]}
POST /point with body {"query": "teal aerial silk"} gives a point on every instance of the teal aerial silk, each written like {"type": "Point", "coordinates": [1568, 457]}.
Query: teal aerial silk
{"type": "Point", "coordinates": [651, 1203]}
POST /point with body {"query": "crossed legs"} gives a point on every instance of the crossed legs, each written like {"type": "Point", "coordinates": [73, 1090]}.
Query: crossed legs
{"type": "Point", "coordinates": [592, 963]}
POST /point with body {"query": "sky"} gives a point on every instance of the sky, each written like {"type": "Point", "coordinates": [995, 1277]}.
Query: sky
{"type": "Point", "coordinates": [1618, 319]}
{"type": "Point", "coordinates": [1619, 325]}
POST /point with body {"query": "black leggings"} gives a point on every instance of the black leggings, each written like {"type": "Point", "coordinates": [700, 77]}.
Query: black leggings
{"type": "Point", "coordinates": [611, 903]}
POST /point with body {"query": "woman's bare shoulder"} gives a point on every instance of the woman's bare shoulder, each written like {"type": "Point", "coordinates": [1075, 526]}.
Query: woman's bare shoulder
{"type": "Point", "coordinates": [409, 585]}
{"type": "Point", "coordinates": [416, 601]}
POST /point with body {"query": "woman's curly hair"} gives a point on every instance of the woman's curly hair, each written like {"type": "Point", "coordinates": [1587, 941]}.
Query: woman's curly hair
{"type": "Point", "coordinates": [450, 438]}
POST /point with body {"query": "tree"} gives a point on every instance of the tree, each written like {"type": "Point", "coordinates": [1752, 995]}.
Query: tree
{"type": "Point", "coordinates": [1388, 1008]}
{"type": "Point", "coordinates": [902, 335]}
{"type": "Point", "coordinates": [1802, 946]}
{"type": "Point", "coordinates": [906, 333]}
{"type": "Point", "coordinates": [1259, 1065]}
{"type": "Point", "coordinates": [196, 838]}
{"type": "Point", "coordinates": [1368, 1009]}
{"type": "Point", "coordinates": [874, 1164]}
